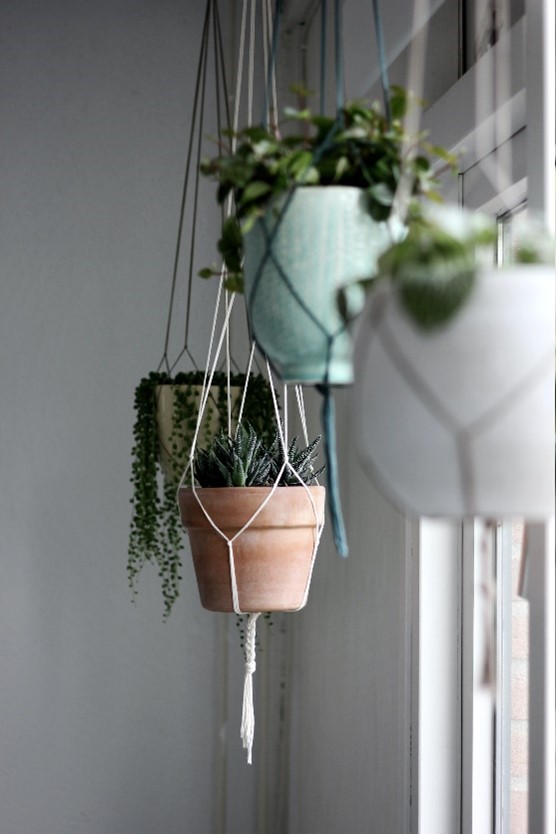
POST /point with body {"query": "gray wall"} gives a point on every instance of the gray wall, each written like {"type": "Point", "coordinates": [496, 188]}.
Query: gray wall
{"type": "Point", "coordinates": [111, 721]}
{"type": "Point", "coordinates": [107, 714]}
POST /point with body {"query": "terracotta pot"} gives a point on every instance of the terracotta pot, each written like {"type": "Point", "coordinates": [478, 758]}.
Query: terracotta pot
{"type": "Point", "coordinates": [273, 556]}
{"type": "Point", "coordinates": [460, 421]}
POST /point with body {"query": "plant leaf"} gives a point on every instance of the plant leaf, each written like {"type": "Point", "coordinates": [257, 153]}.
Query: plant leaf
{"type": "Point", "coordinates": [205, 273]}
{"type": "Point", "coordinates": [254, 191]}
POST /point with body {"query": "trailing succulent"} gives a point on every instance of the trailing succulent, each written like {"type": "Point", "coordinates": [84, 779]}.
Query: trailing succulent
{"type": "Point", "coordinates": [358, 148]}
{"type": "Point", "coordinates": [155, 530]}
{"type": "Point", "coordinates": [246, 460]}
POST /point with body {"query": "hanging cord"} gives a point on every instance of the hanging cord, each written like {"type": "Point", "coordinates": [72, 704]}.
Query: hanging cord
{"type": "Point", "coordinates": [244, 394]}
{"type": "Point", "coordinates": [251, 61]}
{"type": "Point", "coordinates": [328, 418]}
{"type": "Point", "coordinates": [247, 731]}
{"type": "Point", "coordinates": [193, 234]}
{"type": "Point", "coordinates": [248, 708]}
{"type": "Point", "coordinates": [382, 61]}
{"type": "Point", "coordinates": [239, 79]}
{"type": "Point", "coordinates": [416, 77]}
{"type": "Point", "coordinates": [248, 714]}
{"type": "Point", "coordinates": [302, 415]}
{"type": "Point", "coordinates": [339, 59]}
{"type": "Point", "coordinates": [328, 412]}
{"type": "Point", "coordinates": [270, 26]}
{"type": "Point", "coordinates": [194, 149]}
{"type": "Point", "coordinates": [323, 40]}
{"type": "Point", "coordinates": [271, 69]}
{"type": "Point", "coordinates": [266, 36]}
{"type": "Point", "coordinates": [328, 409]}
{"type": "Point", "coordinates": [202, 62]}
{"type": "Point", "coordinates": [220, 64]}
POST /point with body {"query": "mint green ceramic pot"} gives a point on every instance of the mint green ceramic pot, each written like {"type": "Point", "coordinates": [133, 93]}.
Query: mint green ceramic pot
{"type": "Point", "coordinates": [309, 244]}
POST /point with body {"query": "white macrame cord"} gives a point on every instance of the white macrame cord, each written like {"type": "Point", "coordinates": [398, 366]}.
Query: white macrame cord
{"type": "Point", "coordinates": [216, 346]}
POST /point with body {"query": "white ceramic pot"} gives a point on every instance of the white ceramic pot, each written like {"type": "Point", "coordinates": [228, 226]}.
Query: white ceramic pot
{"type": "Point", "coordinates": [460, 421]}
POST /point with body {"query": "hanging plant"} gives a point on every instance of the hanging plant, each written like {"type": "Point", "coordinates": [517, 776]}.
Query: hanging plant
{"type": "Point", "coordinates": [453, 398]}
{"type": "Point", "coordinates": [312, 212]}
{"type": "Point", "coordinates": [269, 503]}
{"type": "Point", "coordinates": [432, 269]}
{"type": "Point", "coordinates": [314, 203]}
{"type": "Point", "coordinates": [155, 532]}
{"type": "Point", "coordinates": [358, 148]}
{"type": "Point", "coordinates": [254, 525]}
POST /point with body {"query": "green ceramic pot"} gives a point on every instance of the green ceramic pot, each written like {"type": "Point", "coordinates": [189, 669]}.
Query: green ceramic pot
{"type": "Point", "coordinates": [308, 245]}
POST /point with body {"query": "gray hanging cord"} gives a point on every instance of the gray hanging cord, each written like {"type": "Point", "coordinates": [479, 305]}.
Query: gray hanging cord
{"type": "Point", "coordinates": [271, 69]}
{"type": "Point", "coordinates": [195, 200]}
{"type": "Point", "coordinates": [382, 61]}
{"type": "Point", "coordinates": [221, 78]}
{"type": "Point", "coordinates": [220, 65]}
{"type": "Point", "coordinates": [323, 40]}
{"type": "Point", "coordinates": [204, 44]}
{"type": "Point", "coordinates": [339, 57]}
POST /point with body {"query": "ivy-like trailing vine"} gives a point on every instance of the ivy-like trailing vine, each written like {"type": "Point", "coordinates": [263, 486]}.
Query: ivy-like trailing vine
{"type": "Point", "coordinates": [155, 530]}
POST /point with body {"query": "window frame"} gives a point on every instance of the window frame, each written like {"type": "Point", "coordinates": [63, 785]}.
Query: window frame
{"type": "Point", "coordinates": [452, 121]}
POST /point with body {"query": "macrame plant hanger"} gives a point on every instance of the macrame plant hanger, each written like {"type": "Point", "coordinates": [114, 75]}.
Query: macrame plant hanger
{"type": "Point", "coordinates": [495, 161]}
{"type": "Point", "coordinates": [220, 343]}
{"type": "Point", "coordinates": [324, 388]}
{"type": "Point", "coordinates": [212, 46]}
{"type": "Point", "coordinates": [211, 40]}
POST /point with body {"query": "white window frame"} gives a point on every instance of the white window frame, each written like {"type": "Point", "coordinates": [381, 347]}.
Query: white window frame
{"type": "Point", "coordinates": [447, 787]}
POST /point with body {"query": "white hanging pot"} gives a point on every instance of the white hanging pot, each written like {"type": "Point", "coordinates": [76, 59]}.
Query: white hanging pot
{"type": "Point", "coordinates": [308, 244]}
{"type": "Point", "coordinates": [460, 421]}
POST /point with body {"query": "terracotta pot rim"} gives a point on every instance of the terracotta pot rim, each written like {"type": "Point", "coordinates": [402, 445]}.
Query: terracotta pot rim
{"type": "Point", "coordinates": [233, 507]}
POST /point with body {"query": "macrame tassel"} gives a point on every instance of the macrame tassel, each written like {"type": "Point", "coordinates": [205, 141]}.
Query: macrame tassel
{"type": "Point", "coordinates": [328, 419]}
{"type": "Point", "coordinates": [248, 711]}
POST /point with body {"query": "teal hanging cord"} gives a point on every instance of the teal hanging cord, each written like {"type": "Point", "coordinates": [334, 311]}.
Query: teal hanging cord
{"type": "Point", "coordinates": [328, 419]}
{"type": "Point", "coordinates": [382, 61]}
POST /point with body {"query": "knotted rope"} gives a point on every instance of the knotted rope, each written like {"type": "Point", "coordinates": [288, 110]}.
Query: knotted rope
{"type": "Point", "coordinates": [248, 710]}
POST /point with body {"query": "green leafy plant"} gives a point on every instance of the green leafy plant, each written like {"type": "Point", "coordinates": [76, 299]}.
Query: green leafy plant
{"type": "Point", "coordinates": [359, 148]}
{"type": "Point", "coordinates": [239, 461]}
{"type": "Point", "coordinates": [434, 266]}
{"type": "Point", "coordinates": [301, 463]}
{"type": "Point", "coordinates": [246, 460]}
{"type": "Point", "coordinates": [155, 530]}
